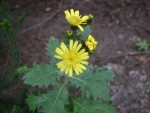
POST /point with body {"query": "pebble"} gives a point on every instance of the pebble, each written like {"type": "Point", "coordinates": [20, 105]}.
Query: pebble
{"type": "Point", "coordinates": [118, 69]}
{"type": "Point", "coordinates": [121, 36]}
{"type": "Point", "coordinates": [134, 73]}
{"type": "Point", "coordinates": [48, 9]}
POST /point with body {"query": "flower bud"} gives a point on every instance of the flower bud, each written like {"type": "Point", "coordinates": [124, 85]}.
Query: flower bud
{"type": "Point", "coordinates": [69, 33]}
{"type": "Point", "coordinates": [91, 18]}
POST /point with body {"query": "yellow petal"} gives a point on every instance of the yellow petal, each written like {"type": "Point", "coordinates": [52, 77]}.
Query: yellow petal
{"type": "Point", "coordinates": [70, 72]}
{"type": "Point", "coordinates": [80, 27]}
{"type": "Point", "coordinates": [79, 69]}
{"type": "Point", "coordinates": [75, 45]}
{"type": "Point", "coordinates": [84, 54]}
{"type": "Point", "coordinates": [67, 13]}
{"type": "Point", "coordinates": [82, 66]}
{"type": "Point", "coordinates": [90, 37]}
{"type": "Point", "coordinates": [84, 57]}
{"type": "Point", "coordinates": [76, 71]}
{"type": "Point", "coordinates": [72, 12]}
{"type": "Point", "coordinates": [62, 69]}
{"type": "Point", "coordinates": [82, 51]}
{"type": "Point", "coordinates": [63, 47]}
{"type": "Point", "coordinates": [67, 71]}
{"type": "Point", "coordinates": [58, 57]}
{"type": "Point", "coordinates": [84, 62]}
{"type": "Point", "coordinates": [78, 47]}
{"type": "Point", "coordinates": [59, 51]}
{"type": "Point", "coordinates": [90, 48]}
{"type": "Point", "coordinates": [96, 43]}
{"type": "Point", "coordinates": [87, 43]}
{"type": "Point", "coordinates": [84, 18]}
{"type": "Point", "coordinates": [71, 44]}
{"type": "Point", "coordinates": [77, 13]}
{"type": "Point", "coordinates": [60, 64]}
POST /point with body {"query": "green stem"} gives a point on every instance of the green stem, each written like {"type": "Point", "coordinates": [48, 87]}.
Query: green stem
{"type": "Point", "coordinates": [60, 92]}
{"type": "Point", "coordinates": [80, 80]}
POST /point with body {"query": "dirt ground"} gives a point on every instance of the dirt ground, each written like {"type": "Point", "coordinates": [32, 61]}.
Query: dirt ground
{"type": "Point", "coordinates": [118, 26]}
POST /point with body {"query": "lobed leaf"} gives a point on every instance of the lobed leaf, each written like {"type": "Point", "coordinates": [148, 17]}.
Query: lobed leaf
{"type": "Point", "coordinates": [32, 102]}
{"type": "Point", "coordinates": [105, 75]}
{"type": "Point", "coordinates": [51, 46]}
{"type": "Point", "coordinates": [93, 83]}
{"type": "Point", "coordinates": [23, 69]}
{"type": "Point", "coordinates": [52, 102]}
{"type": "Point", "coordinates": [91, 106]}
{"type": "Point", "coordinates": [41, 75]}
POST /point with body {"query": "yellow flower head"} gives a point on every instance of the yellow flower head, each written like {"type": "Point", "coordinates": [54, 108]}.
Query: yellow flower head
{"type": "Point", "coordinates": [91, 43]}
{"type": "Point", "coordinates": [72, 59]}
{"type": "Point", "coordinates": [74, 18]}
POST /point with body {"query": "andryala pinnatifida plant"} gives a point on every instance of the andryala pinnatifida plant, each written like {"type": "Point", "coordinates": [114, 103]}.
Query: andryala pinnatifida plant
{"type": "Point", "coordinates": [77, 86]}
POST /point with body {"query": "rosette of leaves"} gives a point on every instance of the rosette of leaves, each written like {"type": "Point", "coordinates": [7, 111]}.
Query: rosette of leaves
{"type": "Point", "coordinates": [142, 45]}
{"type": "Point", "coordinates": [86, 93]}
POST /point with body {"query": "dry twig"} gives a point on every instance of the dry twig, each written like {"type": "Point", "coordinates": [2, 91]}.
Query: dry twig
{"type": "Point", "coordinates": [44, 21]}
{"type": "Point", "coordinates": [134, 53]}
{"type": "Point", "coordinates": [126, 55]}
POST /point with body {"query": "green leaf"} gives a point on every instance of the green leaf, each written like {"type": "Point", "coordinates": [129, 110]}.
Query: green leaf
{"type": "Point", "coordinates": [32, 102]}
{"type": "Point", "coordinates": [91, 106]}
{"type": "Point", "coordinates": [41, 75]}
{"type": "Point", "coordinates": [51, 46]}
{"type": "Point", "coordinates": [93, 82]}
{"type": "Point", "coordinates": [23, 69]}
{"type": "Point", "coordinates": [52, 102]}
{"type": "Point", "coordinates": [66, 37]}
{"type": "Point", "coordinates": [85, 33]}
{"type": "Point", "coordinates": [105, 75]}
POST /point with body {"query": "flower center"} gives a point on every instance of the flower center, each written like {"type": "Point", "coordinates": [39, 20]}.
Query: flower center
{"type": "Point", "coordinates": [72, 60]}
{"type": "Point", "coordinates": [71, 57]}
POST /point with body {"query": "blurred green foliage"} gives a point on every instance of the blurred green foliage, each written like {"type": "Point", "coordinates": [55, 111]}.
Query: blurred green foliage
{"type": "Point", "coordinates": [9, 59]}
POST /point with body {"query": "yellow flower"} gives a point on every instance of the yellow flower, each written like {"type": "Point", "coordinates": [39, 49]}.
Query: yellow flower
{"type": "Point", "coordinates": [72, 59]}
{"type": "Point", "coordinates": [91, 43]}
{"type": "Point", "coordinates": [74, 18]}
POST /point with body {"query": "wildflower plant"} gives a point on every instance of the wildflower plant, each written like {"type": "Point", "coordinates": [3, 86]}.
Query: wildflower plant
{"type": "Point", "coordinates": [142, 45]}
{"type": "Point", "coordinates": [72, 84]}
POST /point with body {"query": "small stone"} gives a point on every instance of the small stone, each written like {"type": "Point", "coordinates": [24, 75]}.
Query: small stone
{"type": "Point", "coordinates": [141, 58]}
{"type": "Point", "coordinates": [139, 85]}
{"type": "Point", "coordinates": [119, 52]}
{"type": "Point", "coordinates": [17, 6]}
{"type": "Point", "coordinates": [134, 73]}
{"type": "Point", "coordinates": [118, 69]}
{"type": "Point", "coordinates": [117, 22]}
{"type": "Point", "coordinates": [121, 36]}
{"type": "Point", "coordinates": [110, 24]}
{"type": "Point", "coordinates": [134, 39]}
{"type": "Point", "coordinates": [48, 9]}
{"type": "Point", "coordinates": [143, 78]}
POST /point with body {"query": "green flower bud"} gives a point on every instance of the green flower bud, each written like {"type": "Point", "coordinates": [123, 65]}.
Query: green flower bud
{"type": "Point", "coordinates": [69, 33]}
{"type": "Point", "coordinates": [91, 18]}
